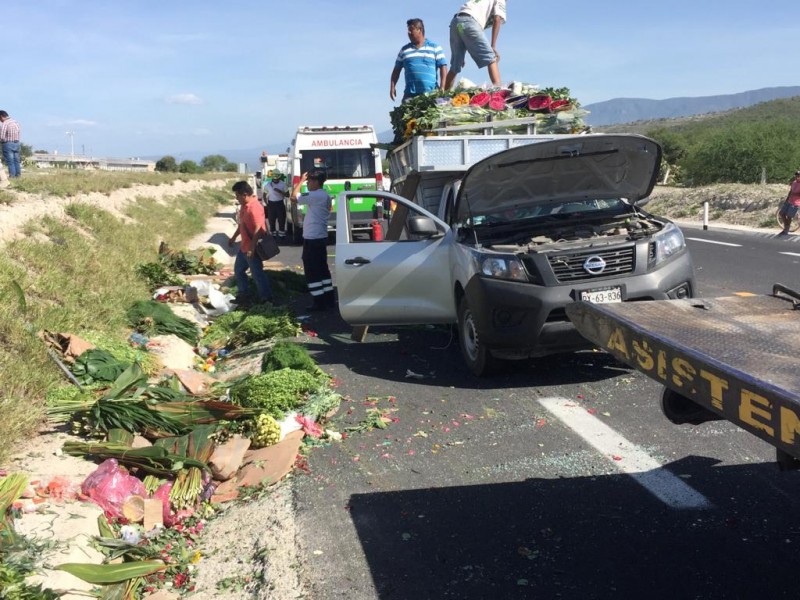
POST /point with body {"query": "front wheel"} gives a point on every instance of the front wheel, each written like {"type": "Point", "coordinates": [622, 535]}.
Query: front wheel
{"type": "Point", "coordinates": [795, 225]}
{"type": "Point", "coordinates": [478, 357]}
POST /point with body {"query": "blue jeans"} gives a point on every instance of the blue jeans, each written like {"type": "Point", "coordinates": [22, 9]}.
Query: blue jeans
{"type": "Point", "coordinates": [11, 158]}
{"type": "Point", "coordinates": [256, 266]}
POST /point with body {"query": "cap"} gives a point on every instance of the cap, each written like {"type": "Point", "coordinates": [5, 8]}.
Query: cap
{"type": "Point", "coordinates": [276, 173]}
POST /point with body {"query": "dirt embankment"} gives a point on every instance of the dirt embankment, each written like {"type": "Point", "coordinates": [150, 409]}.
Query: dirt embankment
{"type": "Point", "coordinates": [728, 203]}
{"type": "Point", "coordinates": [36, 206]}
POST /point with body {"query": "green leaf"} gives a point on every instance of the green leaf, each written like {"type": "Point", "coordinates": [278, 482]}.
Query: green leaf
{"type": "Point", "coordinates": [105, 574]}
{"type": "Point", "coordinates": [105, 528]}
{"type": "Point", "coordinates": [23, 305]}
{"type": "Point", "coordinates": [131, 378]}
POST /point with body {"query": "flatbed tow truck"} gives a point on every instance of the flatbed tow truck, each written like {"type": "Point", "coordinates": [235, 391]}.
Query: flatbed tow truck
{"type": "Point", "coordinates": [733, 358]}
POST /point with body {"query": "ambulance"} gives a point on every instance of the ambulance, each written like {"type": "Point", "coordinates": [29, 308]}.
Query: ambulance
{"type": "Point", "coordinates": [351, 161]}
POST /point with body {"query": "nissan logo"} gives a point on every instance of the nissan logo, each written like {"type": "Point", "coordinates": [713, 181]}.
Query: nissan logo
{"type": "Point", "coordinates": [594, 265]}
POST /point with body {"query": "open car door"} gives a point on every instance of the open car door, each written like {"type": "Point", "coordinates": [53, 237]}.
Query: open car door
{"type": "Point", "coordinates": [402, 279]}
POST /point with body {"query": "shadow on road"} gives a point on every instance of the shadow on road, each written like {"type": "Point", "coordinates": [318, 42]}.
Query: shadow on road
{"type": "Point", "coordinates": [585, 537]}
{"type": "Point", "coordinates": [433, 354]}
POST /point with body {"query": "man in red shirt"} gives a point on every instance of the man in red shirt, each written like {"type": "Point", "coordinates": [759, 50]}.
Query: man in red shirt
{"type": "Point", "coordinates": [792, 203]}
{"type": "Point", "coordinates": [251, 227]}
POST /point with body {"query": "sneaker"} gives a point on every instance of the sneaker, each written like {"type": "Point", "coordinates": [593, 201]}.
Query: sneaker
{"type": "Point", "coordinates": [281, 234]}
{"type": "Point", "coordinates": [784, 232]}
{"type": "Point", "coordinates": [242, 301]}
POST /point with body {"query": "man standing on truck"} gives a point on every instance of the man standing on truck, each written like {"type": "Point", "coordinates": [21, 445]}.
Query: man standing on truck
{"type": "Point", "coordinates": [467, 35]}
{"type": "Point", "coordinates": [315, 238]}
{"type": "Point", "coordinates": [421, 59]}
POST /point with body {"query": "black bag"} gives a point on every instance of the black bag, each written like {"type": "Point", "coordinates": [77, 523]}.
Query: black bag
{"type": "Point", "coordinates": [267, 247]}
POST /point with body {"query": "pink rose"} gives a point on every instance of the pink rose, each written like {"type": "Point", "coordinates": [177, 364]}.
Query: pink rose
{"type": "Point", "coordinates": [481, 99]}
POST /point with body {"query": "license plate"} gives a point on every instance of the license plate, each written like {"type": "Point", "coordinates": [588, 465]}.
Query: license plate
{"type": "Point", "coordinates": [605, 296]}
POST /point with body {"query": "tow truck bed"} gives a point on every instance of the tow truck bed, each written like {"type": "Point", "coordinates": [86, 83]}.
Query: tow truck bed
{"type": "Point", "coordinates": [735, 357]}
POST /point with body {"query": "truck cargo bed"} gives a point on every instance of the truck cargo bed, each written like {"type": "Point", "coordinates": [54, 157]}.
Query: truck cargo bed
{"type": "Point", "coordinates": [738, 357]}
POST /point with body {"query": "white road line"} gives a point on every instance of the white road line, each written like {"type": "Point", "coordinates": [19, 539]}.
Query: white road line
{"type": "Point", "coordinates": [789, 253]}
{"type": "Point", "coordinates": [626, 457]}
{"type": "Point", "coordinates": [713, 242]}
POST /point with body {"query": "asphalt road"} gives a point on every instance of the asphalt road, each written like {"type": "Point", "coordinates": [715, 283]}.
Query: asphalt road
{"type": "Point", "coordinates": [558, 478]}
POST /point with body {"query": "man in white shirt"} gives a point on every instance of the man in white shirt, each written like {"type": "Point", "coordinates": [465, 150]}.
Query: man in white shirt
{"type": "Point", "coordinates": [467, 35]}
{"type": "Point", "coordinates": [274, 193]}
{"type": "Point", "coordinates": [315, 239]}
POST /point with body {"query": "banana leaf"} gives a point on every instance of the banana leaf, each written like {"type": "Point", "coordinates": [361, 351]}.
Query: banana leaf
{"type": "Point", "coordinates": [122, 437]}
{"type": "Point", "coordinates": [107, 574]}
{"type": "Point", "coordinates": [131, 378]}
{"type": "Point", "coordinates": [96, 365]}
{"type": "Point", "coordinates": [153, 459]}
{"type": "Point", "coordinates": [132, 415]}
{"type": "Point", "coordinates": [197, 444]}
{"type": "Point", "coordinates": [201, 412]}
{"type": "Point", "coordinates": [163, 393]}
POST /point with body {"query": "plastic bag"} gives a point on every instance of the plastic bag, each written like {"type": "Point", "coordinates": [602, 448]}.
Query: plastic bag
{"type": "Point", "coordinates": [110, 485]}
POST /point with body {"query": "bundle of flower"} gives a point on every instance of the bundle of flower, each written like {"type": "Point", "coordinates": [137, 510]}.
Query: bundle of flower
{"type": "Point", "coordinates": [552, 109]}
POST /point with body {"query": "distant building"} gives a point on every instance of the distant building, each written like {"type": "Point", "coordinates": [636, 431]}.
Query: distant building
{"type": "Point", "coordinates": [61, 161]}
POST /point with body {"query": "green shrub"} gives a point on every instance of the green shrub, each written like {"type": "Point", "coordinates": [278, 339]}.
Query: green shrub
{"type": "Point", "coordinates": [264, 322]}
{"type": "Point", "coordinates": [288, 355]}
{"type": "Point", "coordinates": [275, 392]}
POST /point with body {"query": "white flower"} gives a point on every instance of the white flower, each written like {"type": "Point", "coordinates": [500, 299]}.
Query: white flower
{"type": "Point", "coordinates": [130, 534]}
{"type": "Point", "coordinates": [334, 435]}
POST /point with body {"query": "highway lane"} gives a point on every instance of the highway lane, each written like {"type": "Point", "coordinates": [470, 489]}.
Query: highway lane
{"type": "Point", "coordinates": [557, 478]}
{"type": "Point", "coordinates": [730, 261]}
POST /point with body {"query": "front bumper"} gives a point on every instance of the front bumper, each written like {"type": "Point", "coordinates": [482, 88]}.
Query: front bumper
{"type": "Point", "coordinates": [524, 319]}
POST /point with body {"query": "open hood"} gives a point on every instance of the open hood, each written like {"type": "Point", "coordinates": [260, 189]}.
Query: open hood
{"type": "Point", "coordinates": [571, 168]}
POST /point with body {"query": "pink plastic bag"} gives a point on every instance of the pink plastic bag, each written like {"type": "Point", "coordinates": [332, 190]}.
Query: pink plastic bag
{"type": "Point", "coordinates": [110, 485]}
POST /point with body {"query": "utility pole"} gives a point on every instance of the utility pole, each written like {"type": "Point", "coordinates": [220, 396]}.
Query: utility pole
{"type": "Point", "coordinates": [71, 135]}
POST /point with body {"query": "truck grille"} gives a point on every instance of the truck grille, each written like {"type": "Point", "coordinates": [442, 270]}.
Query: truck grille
{"type": "Point", "coordinates": [569, 267]}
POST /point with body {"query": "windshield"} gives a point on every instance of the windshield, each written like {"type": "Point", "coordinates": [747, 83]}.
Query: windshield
{"type": "Point", "coordinates": [570, 210]}
{"type": "Point", "coordinates": [340, 164]}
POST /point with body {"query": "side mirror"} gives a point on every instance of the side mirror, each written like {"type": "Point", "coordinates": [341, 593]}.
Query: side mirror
{"type": "Point", "coordinates": [422, 227]}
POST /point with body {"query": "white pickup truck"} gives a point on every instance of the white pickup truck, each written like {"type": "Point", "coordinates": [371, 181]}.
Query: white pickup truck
{"type": "Point", "coordinates": [498, 233]}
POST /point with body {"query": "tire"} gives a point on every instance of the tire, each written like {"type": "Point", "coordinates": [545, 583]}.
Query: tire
{"type": "Point", "coordinates": [795, 221]}
{"type": "Point", "coordinates": [477, 357]}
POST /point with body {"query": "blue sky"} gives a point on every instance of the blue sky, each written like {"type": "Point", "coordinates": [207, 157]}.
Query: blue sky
{"type": "Point", "coordinates": [149, 78]}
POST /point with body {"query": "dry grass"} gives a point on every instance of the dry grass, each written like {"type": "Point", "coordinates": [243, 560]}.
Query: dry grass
{"type": "Point", "coordinates": [730, 203]}
{"type": "Point", "coordinates": [65, 184]}
{"type": "Point", "coordinates": [74, 274]}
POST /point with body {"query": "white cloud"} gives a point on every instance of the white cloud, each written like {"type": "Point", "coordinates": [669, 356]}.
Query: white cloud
{"type": "Point", "coordinates": [201, 132]}
{"type": "Point", "coordinates": [82, 123]}
{"type": "Point", "coordinates": [184, 99]}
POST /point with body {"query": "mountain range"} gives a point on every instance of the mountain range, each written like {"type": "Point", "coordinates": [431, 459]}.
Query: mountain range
{"type": "Point", "coordinates": [629, 110]}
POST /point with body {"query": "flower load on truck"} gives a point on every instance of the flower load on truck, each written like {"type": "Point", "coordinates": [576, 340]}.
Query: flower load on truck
{"type": "Point", "coordinates": [553, 110]}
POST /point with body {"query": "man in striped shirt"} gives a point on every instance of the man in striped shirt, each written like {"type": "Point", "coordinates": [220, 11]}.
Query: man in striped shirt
{"type": "Point", "coordinates": [422, 60]}
{"type": "Point", "coordinates": [9, 137]}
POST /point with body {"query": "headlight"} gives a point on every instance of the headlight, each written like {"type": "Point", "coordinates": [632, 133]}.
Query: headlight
{"type": "Point", "coordinates": [669, 242]}
{"type": "Point", "coordinates": [502, 267]}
